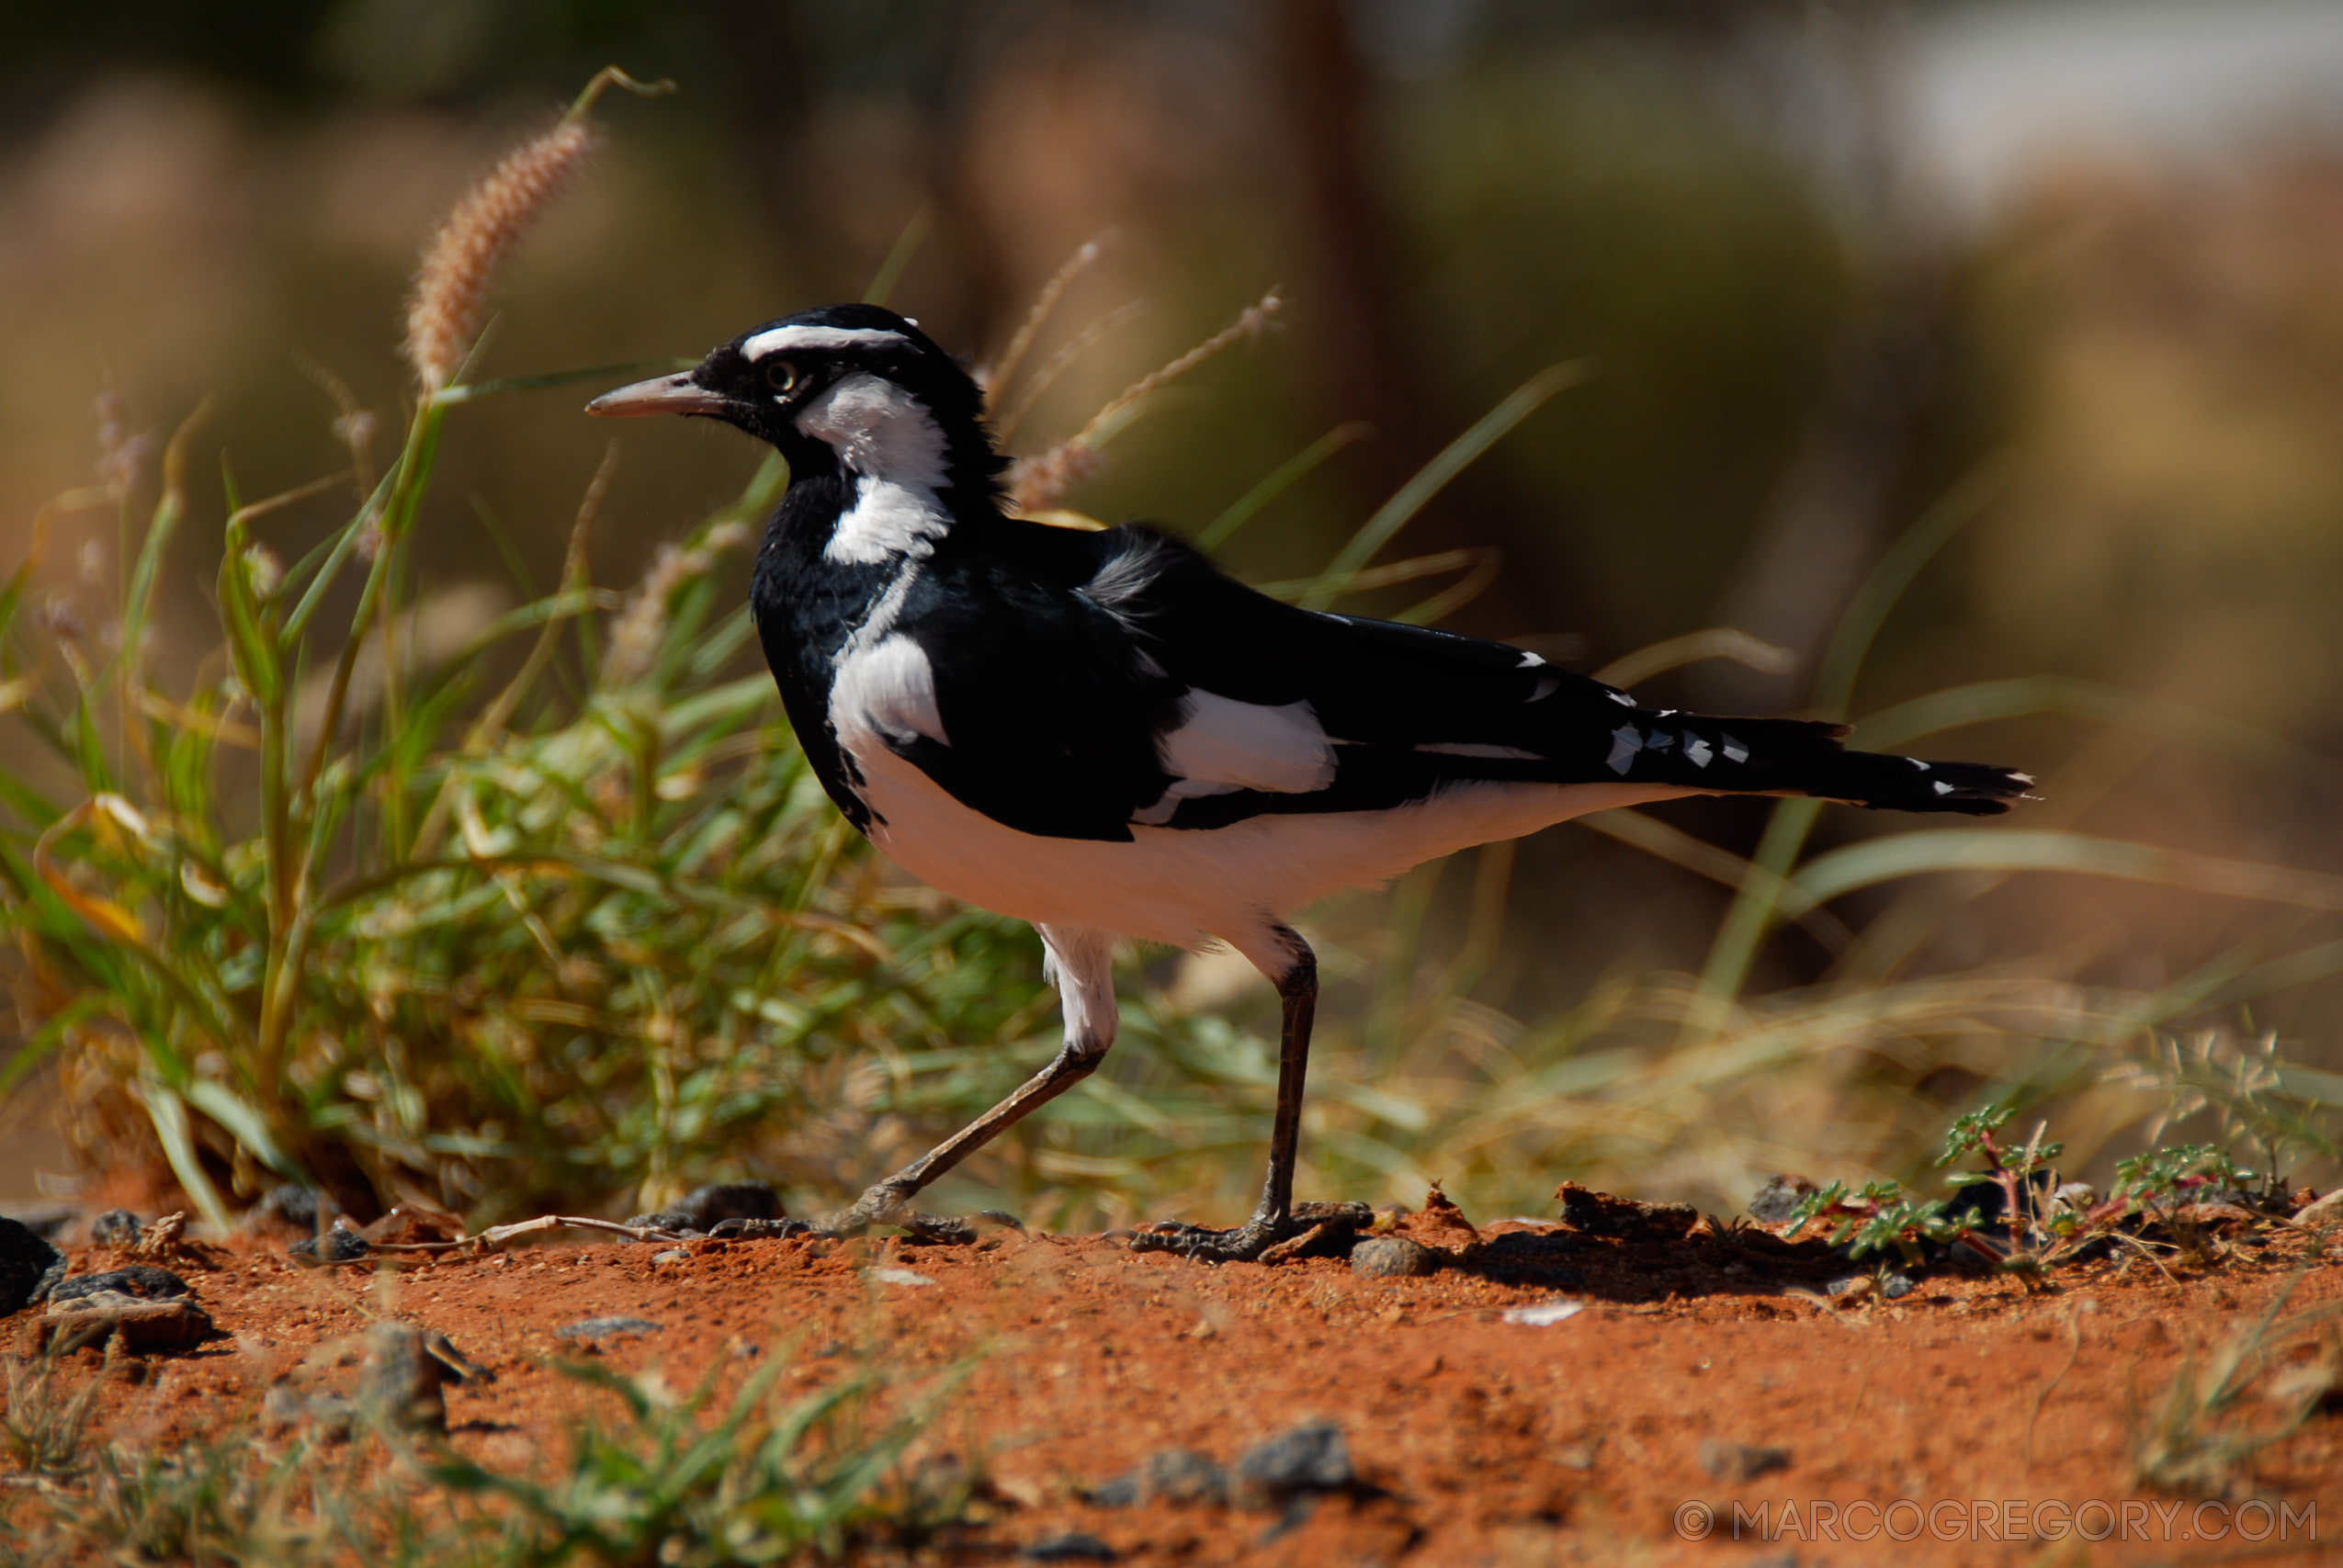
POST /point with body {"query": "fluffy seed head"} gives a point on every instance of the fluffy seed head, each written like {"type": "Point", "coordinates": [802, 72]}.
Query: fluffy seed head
{"type": "Point", "coordinates": [450, 300]}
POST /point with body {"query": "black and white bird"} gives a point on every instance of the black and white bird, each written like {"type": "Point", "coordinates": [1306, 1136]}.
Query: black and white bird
{"type": "Point", "coordinates": [1100, 733]}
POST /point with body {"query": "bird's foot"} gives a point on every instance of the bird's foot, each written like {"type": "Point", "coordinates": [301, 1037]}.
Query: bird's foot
{"type": "Point", "coordinates": [887, 1204]}
{"type": "Point", "coordinates": [1310, 1230]}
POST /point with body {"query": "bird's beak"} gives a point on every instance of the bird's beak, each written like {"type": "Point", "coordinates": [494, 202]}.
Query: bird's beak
{"type": "Point", "coordinates": [662, 394]}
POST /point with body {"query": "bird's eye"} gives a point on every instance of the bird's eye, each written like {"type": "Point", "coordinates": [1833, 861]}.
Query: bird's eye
{"type": "Point", "coordinates": [781, 376]}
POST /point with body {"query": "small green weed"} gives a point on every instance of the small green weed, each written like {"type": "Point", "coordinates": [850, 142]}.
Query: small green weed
{"type": "Point", "coordinates": [771, 1477]}
{"type": "Point", "coordinates": [2041, 1222]}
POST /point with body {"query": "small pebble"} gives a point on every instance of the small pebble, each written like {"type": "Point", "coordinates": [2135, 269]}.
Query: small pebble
{"type": "Point", "coordinates": [899, 1277]}
{"type": "Point", "coordinates": [1895, 1286]}
{"type": "Point", "coordinates": [1069, 1546]}
{"type": "Point", "coordinates": [1392, 1257]}
{"type": "Point", "coordinates": [336, 1246]}
{"type": "Point", "coordinates": [1779, 1199]}
{"type": "Point", "coordinates": [1736, 1463]}
{"type": "Point", "coordinates": [606, 1328]}
{"type": "Point", "coordinates": [673, 1255]}
{"type": "Point", "coordinates": [115, 1227]}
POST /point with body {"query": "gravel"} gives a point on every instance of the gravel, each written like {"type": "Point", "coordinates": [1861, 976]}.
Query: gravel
{"type": "Point", "coordinates": [29, 1266]}
{"type": "Point", "coordinates": [137, 1279]}
{"type": "Point", "coordinates": [1392, 1257]}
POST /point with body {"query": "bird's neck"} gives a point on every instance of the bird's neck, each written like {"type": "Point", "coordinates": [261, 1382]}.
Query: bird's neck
{"type": "Point", "coordinates": [884, 479]}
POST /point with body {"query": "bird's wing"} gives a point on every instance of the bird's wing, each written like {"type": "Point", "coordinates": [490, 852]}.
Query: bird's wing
{"type": "Point", "coordinates": [1088, 683]}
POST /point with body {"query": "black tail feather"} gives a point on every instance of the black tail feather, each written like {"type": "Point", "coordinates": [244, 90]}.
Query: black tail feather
{"type": "Point", "coordinates": [1803, 756]}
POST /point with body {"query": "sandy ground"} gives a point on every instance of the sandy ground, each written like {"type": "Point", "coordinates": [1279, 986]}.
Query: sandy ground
{"type": "Point", "coordinates": [1960, 1424]}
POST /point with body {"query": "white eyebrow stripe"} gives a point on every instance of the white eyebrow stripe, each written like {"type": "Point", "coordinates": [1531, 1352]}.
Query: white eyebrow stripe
{"type": "Point", "coordinates": [775, 339]}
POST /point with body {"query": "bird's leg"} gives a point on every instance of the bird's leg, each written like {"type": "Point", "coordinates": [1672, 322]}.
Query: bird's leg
{"type": "Point", "coordinates": [1083, 963]}
{"type": "Point", "coordinates": [1277, 1219]}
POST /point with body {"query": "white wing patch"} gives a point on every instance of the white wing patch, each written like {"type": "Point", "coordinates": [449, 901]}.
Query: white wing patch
{"type": "Point", "coordinates": [887, 691]}
{"type": "Point", "coordinates": [818, 340]}
{"type": "Point", "coordinates": [1248, 745]}
{"type": "Point", "coordinates": [889, 441]}
{"type": "Point", "coordinates": [1624, 743]}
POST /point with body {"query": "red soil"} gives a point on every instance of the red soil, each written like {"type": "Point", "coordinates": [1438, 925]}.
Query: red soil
{"type": "Point", "coordinates": [1474, 1439]}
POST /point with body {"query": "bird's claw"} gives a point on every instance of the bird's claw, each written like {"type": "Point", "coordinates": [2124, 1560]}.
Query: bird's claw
{"type": "Point", "coordinates": [1264, 1238]}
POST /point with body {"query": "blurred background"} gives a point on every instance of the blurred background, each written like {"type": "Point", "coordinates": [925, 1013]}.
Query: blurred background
{"type": "Point", "coordinates": [2079, 260]}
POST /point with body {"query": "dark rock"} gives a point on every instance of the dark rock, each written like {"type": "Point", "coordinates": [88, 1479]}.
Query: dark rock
{"type": "Point", "coordinates": [700, 1210]}
{"type": "Point", "coordinates": [1779, 1199]}
{"type": "Point", "coordinates": [336, 1246]}
{"type": "Point", "coordinates": [1895, 1286]}
{"type": "Point", "coordinates": [1392, 1257]}
{"type": "Point", "coordinates": [606, 1328]}
{"type": "Point", "coordinates": [29, 1266]}
{"type": "Point", "coordinates": [1311, 1458]}
{"type": "Point", "coordinates": [1122, 1491]}
{"type": "Point", "coordinates": [115, 1227]}
{"type": "Point", "coordinates": [87, 1321]}
{"type": "Point", "coordinates": [1737, 1462]}
{"type": "Point", "coordinates": [1599, 1213]}
{"type": "Point", "coordinates": [1069, 1546]}
{"type": "Point", "coordinates": [137, 1279]}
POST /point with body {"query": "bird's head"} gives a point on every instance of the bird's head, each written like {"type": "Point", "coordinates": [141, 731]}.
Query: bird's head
{"type": "Point", "coordinates": [846, 388]}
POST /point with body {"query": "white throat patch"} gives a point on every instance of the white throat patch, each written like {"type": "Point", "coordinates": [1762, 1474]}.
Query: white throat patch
{"type": "Point", "coordinates": [891, 444]}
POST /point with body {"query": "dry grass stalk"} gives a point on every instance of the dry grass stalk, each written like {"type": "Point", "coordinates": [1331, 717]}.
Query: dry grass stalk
{"type": "Point", "coordinates": [1055, 365]}
{"type": "Point", "coordinates": [997, 376]}
{"type": "Point", "coordinates": [642, 625]}
{"type": "Point", "coordinates": [1036, 480]}
{"type": "Point", "coordinates": [450, 305]}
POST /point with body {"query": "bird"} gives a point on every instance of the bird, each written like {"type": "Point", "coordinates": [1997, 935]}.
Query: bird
{"type": "Point", "coordinates": [1103, 734]}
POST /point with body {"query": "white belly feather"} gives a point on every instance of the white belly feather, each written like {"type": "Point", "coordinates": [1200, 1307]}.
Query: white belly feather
{"type": "Point", "coordinates": [1184, 886]}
